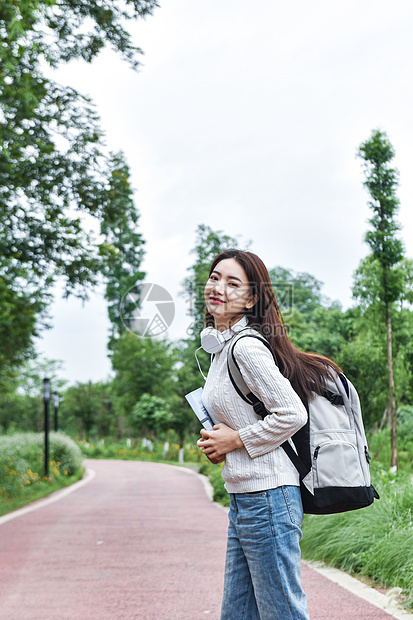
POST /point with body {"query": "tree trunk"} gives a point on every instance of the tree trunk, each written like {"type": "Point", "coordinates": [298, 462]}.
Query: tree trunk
{"type": "Point", "coordinates": [120, 427]}
{"type": "Point", "coordinates": [392, 401]}
{"type": "Point", "coordinates": [385, 418]}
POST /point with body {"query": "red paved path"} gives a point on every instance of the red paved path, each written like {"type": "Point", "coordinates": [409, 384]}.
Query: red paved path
{"type": "Point", "coordinates": [141, 541]}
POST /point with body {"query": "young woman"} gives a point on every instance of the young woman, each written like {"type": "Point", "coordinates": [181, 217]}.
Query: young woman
{"type": "Point", "coordinates": [263, 563]}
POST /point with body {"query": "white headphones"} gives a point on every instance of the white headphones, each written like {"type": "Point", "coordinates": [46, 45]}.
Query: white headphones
{"type": "Point", "coordinates": [213, 341]}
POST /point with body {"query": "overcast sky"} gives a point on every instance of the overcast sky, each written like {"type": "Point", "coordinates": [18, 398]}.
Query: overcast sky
{"type": "Point", "coordinates": [247, 117]}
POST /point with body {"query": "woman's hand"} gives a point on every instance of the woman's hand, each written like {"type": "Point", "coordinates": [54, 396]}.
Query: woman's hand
{"type": "Point", "coordinates": [217, 443]}
{"type": "Point", "coordinates": [216, 461]}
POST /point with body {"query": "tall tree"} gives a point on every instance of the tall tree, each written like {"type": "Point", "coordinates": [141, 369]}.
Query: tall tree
{"type": "Point", "coordinates": [124, 247]}
{"type": "Point", "coordinates": [365, 356]}
{"type": "Point", "coordinates": [381, 180]}
{"type": "Point", "coordinates": [54, 169]}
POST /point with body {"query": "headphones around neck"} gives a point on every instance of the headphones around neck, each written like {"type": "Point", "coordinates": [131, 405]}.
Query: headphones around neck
{"type": "Point", "coordinates": [213, 341]}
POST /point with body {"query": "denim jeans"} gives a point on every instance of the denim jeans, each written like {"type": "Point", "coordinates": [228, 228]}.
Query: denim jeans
{"type": "Point", "coordinates": [263, 563]}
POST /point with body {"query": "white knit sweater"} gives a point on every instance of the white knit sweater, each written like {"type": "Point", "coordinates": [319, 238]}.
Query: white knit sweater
{"type": "Point", "coordinates": [261, 464]}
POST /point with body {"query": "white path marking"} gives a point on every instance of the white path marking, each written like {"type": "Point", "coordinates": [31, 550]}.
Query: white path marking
{"type": "Point", "coordinates": [387, 602]}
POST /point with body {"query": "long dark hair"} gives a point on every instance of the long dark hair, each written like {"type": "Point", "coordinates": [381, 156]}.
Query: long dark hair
{"type": "Point", "coordinates": [307, 372]}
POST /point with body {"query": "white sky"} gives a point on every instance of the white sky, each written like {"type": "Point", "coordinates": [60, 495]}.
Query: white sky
{"type": "Point", "coordinates": [247, 117]}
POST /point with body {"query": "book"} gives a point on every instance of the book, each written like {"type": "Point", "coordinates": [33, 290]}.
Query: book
{"type": "Point", "coordinates": [195, 400]}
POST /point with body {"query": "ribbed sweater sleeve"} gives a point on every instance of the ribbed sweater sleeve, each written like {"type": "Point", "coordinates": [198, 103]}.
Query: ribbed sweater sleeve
{"type": "Point", "coordinates": [262, 376]}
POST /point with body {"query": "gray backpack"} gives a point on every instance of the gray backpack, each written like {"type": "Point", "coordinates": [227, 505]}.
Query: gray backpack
{"type": "Point", "coordinates": [330, 452]}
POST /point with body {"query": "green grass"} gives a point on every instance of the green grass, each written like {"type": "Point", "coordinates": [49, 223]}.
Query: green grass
{"type": "Point", "coordinates": [22, 479]}
{"type": "Point", "coordinates": [376, 542]}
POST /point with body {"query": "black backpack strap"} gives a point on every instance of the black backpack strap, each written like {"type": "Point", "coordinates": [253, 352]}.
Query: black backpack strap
{"type": "Point", "coordinates": [295, 459]}
{"type": "Point", "coordinates": [236, 377]}
{"type": "Point", "coordinates": [344, 381]}
{"type": "Point", "coordinates": [333, 397]}
{"type": "Point", "coordinates": [336, 398]}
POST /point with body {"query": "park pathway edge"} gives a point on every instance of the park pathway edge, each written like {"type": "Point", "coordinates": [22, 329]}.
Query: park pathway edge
{"type": "Point", "coordinates": [50, 499]}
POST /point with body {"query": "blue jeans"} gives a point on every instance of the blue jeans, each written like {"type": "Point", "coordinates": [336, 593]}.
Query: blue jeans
{"type": "Point", "coordinates": [263, 563]}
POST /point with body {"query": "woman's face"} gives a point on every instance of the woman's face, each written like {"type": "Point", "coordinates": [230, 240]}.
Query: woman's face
{"type": "Point", "coordinates": [227, 293]}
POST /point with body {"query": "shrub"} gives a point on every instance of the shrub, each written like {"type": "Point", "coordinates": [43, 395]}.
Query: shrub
{"type": "Point", "coordinates": [22, 460]}
{"type": "Point", "coordinates": [64, 450]}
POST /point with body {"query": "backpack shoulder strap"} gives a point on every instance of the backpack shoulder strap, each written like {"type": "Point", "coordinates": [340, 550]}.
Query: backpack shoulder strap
{"type": "Point", "coordinates": [235, 374]}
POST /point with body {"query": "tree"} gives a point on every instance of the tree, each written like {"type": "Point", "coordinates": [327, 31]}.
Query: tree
{"type": "Point", "coordinates": [125, 245]}
{"type": "Point", "coordinates": [88, 406]}
{"type": "Point", "coordinates": [142, 366]}
{"type": "Point", "coordinates": [363, 359]}
{"type": "Point", "coordinates": [10, 401]}
{"type": "Point", "coordinates": [208, 245]}
{"type": "Point", "coordinates": [381, 180]}
{"type": "Point", "coordinates": [313, 321]}
{"type": "Point", "coordinates": [54, 170]}
{"type": "Point", "coordinates": [19, 314]}
{"type": "Point", "coordinates": [151, 414]}
{"type": "Point", "coordinates": [21, 394]}
{"type": "Point", "coordinates": [369, 331]}
{"type": "Point", "coordinates": [299, 290]}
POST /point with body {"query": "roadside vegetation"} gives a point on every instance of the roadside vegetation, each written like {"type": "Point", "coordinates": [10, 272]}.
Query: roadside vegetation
{"type": "Point", "coordinates": [375, 542]}
{"type": "Point", "coordinates": [143, 449]}
{"type": "Point", "coordinates": [22, 478]}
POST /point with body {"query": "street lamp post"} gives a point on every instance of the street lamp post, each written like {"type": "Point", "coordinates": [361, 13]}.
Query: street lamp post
{"type": "Point", "coordinates": [56, 399]}
{"type": "Point", "coordinates": [46, 400]}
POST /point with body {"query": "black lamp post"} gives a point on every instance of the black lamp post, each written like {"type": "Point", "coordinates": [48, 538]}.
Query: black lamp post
{"type": "Point", "coordinates": [56, 399]}
{"type": "Point", "coordinates": [46, 400]}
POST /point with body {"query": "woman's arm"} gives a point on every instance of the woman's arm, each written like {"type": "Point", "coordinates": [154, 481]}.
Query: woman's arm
{"type": "Point", "coordinates": [262, 376]}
